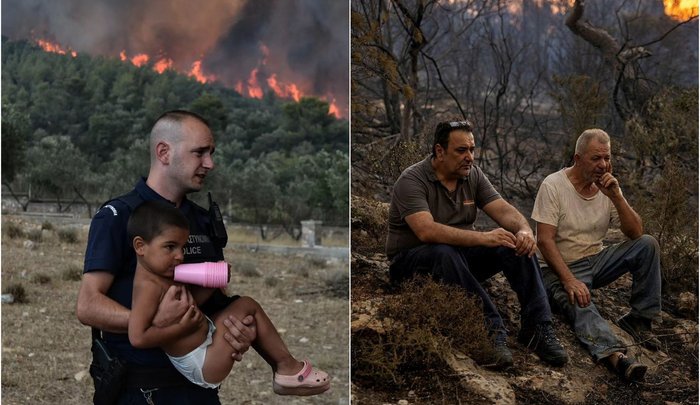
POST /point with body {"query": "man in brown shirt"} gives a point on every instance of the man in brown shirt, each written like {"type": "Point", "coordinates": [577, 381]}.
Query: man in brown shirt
{"type": "Point", "coordinates": [431, 231]}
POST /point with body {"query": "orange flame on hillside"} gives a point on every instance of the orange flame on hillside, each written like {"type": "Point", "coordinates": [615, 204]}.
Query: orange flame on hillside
{"type": "Point", "coordinates": [163, 65]}
{"type": "Point", "coordinates": [280, 88]}
{"type": "Point", "coordinates": [140, 59]}
{"type": "Point", "coordinates": [333, 109]}
{"type": "Point", "coordinates": [284, 90]}
{"type": "Point", "coordinates": [681, 10]}
{"type": "Point", "coordinates": [198, 74]}
{"type": "Point", "coordinates": [252, 87]}
{"type": "Point", "coordinates": [55, 48]}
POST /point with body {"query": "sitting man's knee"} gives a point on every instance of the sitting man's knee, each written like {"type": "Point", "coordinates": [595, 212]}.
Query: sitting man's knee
{"type": "Point", "coordinates": [648, 242]}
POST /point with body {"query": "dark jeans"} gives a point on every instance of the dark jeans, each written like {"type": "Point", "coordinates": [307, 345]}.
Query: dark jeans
{"type": "Point", "coordinates": [187, 395]}
{"type": "Point", "coordinates": [468, 267]}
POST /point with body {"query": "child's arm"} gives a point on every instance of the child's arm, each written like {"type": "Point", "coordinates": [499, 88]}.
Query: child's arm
{"type": "Point", "coordinates": [142, 333]}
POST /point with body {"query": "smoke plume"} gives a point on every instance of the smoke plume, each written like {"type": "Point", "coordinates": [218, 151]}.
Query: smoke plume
{"type": "Point", "coordinates": [303, 43]}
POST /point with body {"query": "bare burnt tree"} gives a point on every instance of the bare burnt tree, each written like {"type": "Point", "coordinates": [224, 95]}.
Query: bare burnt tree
{"type": "Point", "coordinates": [633, 88]}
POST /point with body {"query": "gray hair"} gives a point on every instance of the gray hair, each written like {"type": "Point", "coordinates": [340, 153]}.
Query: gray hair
{"type": "Point", "coordinates": [587, 136]}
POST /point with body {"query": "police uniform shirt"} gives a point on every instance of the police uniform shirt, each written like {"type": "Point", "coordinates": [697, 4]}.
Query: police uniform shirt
{"type": "Point", "coordinates": [109, 249]}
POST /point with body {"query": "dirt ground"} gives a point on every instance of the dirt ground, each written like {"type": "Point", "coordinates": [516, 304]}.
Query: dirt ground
{"type": "Point", "coordinates": [46, 351]}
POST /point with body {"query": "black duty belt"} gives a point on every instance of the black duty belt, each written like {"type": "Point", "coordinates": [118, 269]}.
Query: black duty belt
{"type": "Point", "coordinates": [150, 377]}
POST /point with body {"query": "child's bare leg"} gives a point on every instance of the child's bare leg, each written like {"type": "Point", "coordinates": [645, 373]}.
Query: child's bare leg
{"type": "Point", "coordinates": [268, 343]}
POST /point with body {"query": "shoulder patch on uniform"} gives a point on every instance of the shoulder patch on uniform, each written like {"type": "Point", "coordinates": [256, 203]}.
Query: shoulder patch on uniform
{"type": "Point", "coordinates": [114, 210]}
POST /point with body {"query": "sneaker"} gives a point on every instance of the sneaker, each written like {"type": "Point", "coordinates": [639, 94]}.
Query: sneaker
{"type": "Point", "coordinates": [544, 343]}
{"type": "Point", "coordinates": [501, 357]}
{"type": "Point", "coordinates": [630, 369]}
{"type": "Point", "coordinates": [640, 330]}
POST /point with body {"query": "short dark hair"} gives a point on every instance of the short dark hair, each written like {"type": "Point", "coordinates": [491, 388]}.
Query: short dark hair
{"type": "Point", "coordinates": [151, 218]}
{"type": "Point", "coordinates": [443, 129]}
{"type": "Point", "coordinates": [179, 115]}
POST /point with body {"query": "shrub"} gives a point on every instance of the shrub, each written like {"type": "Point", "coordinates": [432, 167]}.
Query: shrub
{"type": "Point", "coordinates": [423, 323]}
{"type": "Point", "coordinates": [68, 235]}
{"type": "Point", "coordinates": [14, 231]}
{"type": "Point", "coordinates": [41, 278]}
{"type": "Point", "coordinates": [248, 269]}
{"type": "Point", "coordinates": [34, 235]}
{"type": "Point", "coordinates": [271, 281]}
{"type": "Point", "coordinates": [72, 273]}
{"type": "Point", "coordinates": [18, 292]}
{"type": "Point", "coordinates": [369, 225]}
{"type": "Point", "coordinates": [338, 283]}
{"type": "Point", "coordinates": [672, 219]}
{"type": "Point", "coordinates": [47, 225]}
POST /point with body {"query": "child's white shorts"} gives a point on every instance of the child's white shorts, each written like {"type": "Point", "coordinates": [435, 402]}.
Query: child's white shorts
{"type": "Point", "coordinates": [190, 365]}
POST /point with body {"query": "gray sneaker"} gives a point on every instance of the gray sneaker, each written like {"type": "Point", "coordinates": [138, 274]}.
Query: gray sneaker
{"type": "Point", "coordinates": [640, 330]}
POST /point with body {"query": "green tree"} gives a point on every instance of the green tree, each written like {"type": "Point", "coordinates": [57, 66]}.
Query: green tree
{"type": "Point", "coordinates": [58, 168]}
{"type": "Point", "coordinates": [15, 131]}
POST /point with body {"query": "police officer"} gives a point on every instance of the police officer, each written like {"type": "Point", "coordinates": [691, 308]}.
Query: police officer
{"type": "Point", "coordinates": [181, 148]}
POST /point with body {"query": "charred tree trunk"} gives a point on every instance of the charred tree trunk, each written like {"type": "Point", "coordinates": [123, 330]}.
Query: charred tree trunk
{"type": "Point", "coordinates": [632, 89]}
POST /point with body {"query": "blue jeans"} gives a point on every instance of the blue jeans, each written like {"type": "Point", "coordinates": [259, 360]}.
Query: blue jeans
{"type": "Point", "coordinates": [639, 257]}
{"type": "Point", "coordinates": [468, 267]}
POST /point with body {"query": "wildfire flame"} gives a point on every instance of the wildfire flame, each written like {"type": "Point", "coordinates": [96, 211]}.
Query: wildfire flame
{"type": "Point", "coordinates": [284, 90]}
{"type": "Point", "coordinates": [333, 109]}
{"type": "Point", "coordinates": [252, 87]}
{"type": "Point", "coordinates": [162, 65]}
{"type": "Point", "coordinates": [198, 74]}
{"type": "Point", "coordinates": [681, 9]}
{"type": "Point", "coordinates": [55, 48]}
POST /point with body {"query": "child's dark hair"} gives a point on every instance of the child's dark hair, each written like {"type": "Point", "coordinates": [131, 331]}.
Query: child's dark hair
{"type": "Point", "coordinates": [152, 217]}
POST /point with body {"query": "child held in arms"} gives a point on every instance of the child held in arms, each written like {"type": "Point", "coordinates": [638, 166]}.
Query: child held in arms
{"type": "Point", "coordinates": [196, 345]}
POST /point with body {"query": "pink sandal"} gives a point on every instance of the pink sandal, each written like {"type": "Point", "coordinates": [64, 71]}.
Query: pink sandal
{"type": "Point", "coordinates": [306, 382]}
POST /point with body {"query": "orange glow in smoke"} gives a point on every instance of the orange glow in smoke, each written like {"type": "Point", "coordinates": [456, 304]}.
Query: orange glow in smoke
{"type": "Point", "coordinates": [198, 74]}
{"type": "Point", "coordinates": [163, 65]}
{"type": "Point", "coordinates": [54, 48]}
{"type": "Point", "coordinates": [681, 10]}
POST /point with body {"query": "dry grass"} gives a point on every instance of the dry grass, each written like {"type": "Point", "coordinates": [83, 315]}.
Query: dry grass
{"type": "Point", "coordinates": [46, 353]}
{"type": "Point", "coordinates": [422, 324]}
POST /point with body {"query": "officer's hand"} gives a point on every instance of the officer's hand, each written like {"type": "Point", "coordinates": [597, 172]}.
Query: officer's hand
{"type": "Point", "coordinates": [240, 335]}
{"type": "Point", "coordinates": [176, 301]}
{"type": "Point", "coordinates": [499, 237]}
{"type": "Point", "coordinates": [577, 292]}
{"type": "Point", "coordinates": [525, 243]}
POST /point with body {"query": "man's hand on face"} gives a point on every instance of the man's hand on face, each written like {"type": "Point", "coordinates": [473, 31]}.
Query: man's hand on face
{"type": "Point", "coordinates": [176, 301]}
{"type": "Point", "coordinates": [608, 184]}
{"type": "Point", "coordinates": [577, 292]}
{"type": "Point", "coordinates": [240, 335]}
{"type": "Point", "coordinates": [525, 243]}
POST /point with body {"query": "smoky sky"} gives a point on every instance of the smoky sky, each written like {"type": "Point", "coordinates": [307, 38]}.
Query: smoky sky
{"type": "Point", "coordinates": [306, 40]}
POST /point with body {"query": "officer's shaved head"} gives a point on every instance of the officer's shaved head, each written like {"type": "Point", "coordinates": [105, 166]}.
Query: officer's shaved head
{"type": "Point", "coordinates": [168, 128]}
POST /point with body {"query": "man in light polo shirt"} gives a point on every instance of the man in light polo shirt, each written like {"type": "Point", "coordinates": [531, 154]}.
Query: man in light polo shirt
{"type": "Point", "coordinates": [431, 231]}
{"type": "Point", "coordinates": [574, 209]}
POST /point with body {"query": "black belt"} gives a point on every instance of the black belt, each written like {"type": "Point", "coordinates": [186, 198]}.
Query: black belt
{"type": "Point", "coordinates": [150, 377]}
